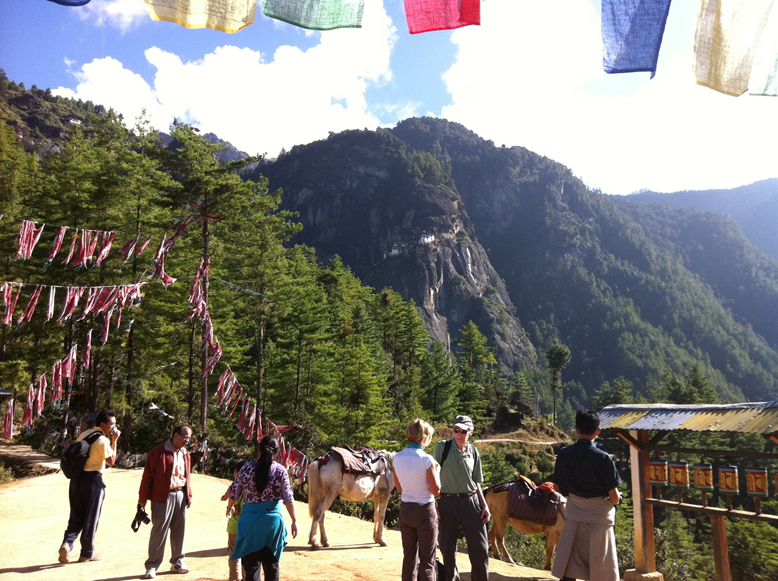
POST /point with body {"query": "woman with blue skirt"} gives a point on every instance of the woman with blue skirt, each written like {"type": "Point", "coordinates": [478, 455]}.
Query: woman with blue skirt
{"type": "Point", "coordinates": [261, 529]}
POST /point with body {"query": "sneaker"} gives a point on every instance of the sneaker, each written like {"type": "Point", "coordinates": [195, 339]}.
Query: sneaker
{"type": "Point", "coordinates": [95, 557]}
{"type": "Point", "coordinates": [150, 574]}
{"type": "Point", "coordinates": [180, 568]}
{"type": "Point", "coordinates": [64, 553]}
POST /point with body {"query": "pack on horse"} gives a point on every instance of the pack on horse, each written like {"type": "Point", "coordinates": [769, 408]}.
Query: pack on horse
{"type": "Point", "coordinates": [531, 510]}
{"type": "Point", "coordinates": [354, 476]}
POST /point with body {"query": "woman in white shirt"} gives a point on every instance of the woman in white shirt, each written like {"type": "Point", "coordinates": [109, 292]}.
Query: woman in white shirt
{"type": "Point", "coordinates": [417, 477]}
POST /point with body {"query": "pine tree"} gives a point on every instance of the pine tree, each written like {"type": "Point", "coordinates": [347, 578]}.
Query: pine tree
{"type": "Point", "coordinates": [440, 384]}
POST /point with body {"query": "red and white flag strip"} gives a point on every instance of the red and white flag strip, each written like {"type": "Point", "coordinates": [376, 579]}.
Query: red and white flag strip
{"type": "Point", "coordinates": [143, 246]}
{"type": "Point", "coordinates": [56, 382]}
{"type": "Point", "coordinates": [69, 371]}
{"type": "Point", "coordinates": [196, 294]}
{"type": "Point", "coordinates": [87, 350]}
{"type": "Point", "coordinates": [106, 327]}
{"type": "Point", "coordinates": [8, 428]}
{"type": "Point", "coordinates": [10, 299]}
{"type": "Point", "coordinates": [31, 304]}
{"type": "Point", "coordinates": [250, 428]}
{"type": "Point", "coordinates": [105, 246]}
{"type": "Point", "coordinates": [237, 400]}
{"type": "Point", "coordinates": [57, 245]}
{"type": "Point", "coordinates": [126, 251]}
{"type": "Point", "coordinates": [41, 397]}
{"type": "Point", "coordinates": [243, 411]}
{"type": "Point", "coordinates": [28, 238]}
{"type": "Point", "coordinates": [50, 310]}
{"type": "Point", "coordinates": [86, 249]}
{"type": "Point", "coordinates": [28, 411]}
{"type": "Point", "coordinates": [73, 244]}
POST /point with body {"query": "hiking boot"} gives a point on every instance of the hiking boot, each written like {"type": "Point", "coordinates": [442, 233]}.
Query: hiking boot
{"type": "Point", "coordinates": [180, 568]}
{"type": "Point", "coordinates": [64, 553]}
{"type": "Point", "coordinates": [94, 557]}
{"type": "Point", "coordinates": [151, 573]}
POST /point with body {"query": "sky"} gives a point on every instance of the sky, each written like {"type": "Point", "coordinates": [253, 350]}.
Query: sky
{"type": "Point", "coordinates": [530, 75]}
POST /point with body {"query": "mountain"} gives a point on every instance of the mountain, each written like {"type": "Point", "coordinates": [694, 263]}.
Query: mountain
{"type": "Point", "coordinates": [754, 207]}
{"type": "Point", "coordinates": [521, 244]}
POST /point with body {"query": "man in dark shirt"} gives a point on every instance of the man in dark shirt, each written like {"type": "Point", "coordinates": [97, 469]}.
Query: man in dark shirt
{"type": "Point", "coordinates": [588, 476]}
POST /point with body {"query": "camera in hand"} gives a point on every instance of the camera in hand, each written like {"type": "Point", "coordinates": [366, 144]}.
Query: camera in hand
{"type": "Point", "coordinates": [141, 516]}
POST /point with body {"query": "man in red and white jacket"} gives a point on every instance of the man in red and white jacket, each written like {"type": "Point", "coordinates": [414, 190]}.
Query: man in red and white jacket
{"type": "Point", "coordinates": [166, 483]}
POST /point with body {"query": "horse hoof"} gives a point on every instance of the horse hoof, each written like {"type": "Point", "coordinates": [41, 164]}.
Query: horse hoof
{"type": "Point", "coordinates": [381, 542]}
{"type": "Point", "coordinates": [325, 544]}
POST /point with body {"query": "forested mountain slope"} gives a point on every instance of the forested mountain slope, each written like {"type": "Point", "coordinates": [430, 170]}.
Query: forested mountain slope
{"type": "Point", "coordinates": [754, 207]}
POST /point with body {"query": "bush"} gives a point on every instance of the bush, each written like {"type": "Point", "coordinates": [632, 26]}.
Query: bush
{"type": "Point", "coordinates": [6, 474]}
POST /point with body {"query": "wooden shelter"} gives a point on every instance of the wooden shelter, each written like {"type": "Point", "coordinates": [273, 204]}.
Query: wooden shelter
{"type": "Point", "coordinates": [643, 426]}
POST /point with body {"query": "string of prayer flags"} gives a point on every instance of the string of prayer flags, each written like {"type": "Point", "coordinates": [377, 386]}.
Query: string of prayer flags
{"type": "Point", "coordinates": [105, 247]}
{"type": "Point", "coordinates": [9, 301]}
{"type": "Point", "coordinates": [143, 246]}
{"type": "Point", "coordinates": [225, 15]}
{"type": "Point", "coordinates": [73, 243]}
{"type": "Point", "coordinates": [69, 369]}
{"type": "Point", "coordinates": [28, 411]}
{"type": "Point", "coordinates": [727, 33]}
{"type": "Point", "coordinates": [196, 294]}
{"type": "Point", "coordinates": [428, 15]}
{"type": "Point", "coordinates": [56, 245]}
{"type": "Point", "coordinates": [31, 304]}
{"type": "Point", "coordinates": [316, 14]}
{"type": "Point", "coordinates": [106, 327]}
{"type": "Point", "coordinates": [86, 249]}
{"type": "Point", "coordinates": [632, 33]}
{"type": "Point", "coordinates": [237, 400]}
{"type": "Point", "coordinates": [87, 360]}
{"type": "Point", "coordinates": [28, 238]}
{"type": "Point", "coordinates": [153, 406]}
{"type": "Point", "coordinates": [165, 246]}
{"type": "Point", "coordinates": [56, 382]}
{"type": "Point", "coordinates": [126, 251]}
{"type": "Point", "coordinates": [250, 427]}
{"type": "Point", "coordinates": [50, 310]}
{"type": "Point", "coordinates": [8, 428]}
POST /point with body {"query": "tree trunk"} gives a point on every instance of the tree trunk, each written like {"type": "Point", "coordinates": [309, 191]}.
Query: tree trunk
{"type": "Point", "coordinates": [260, 367]}
{"type": "Point", "coordinates": [204, 378]}
{"type": "Point", "coordinates": [190, 398]}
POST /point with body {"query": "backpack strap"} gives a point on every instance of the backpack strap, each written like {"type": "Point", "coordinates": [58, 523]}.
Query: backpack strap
{"type": "Point", "coordinates": [446, 450]}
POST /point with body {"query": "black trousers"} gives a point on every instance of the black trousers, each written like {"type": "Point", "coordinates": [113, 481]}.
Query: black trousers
{"type": "Point", "coordinates": [86, 496]}
{"type": "Point", "coordinates": [262, 560]}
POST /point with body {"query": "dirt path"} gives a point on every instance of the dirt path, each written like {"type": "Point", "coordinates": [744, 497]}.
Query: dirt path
{"type": "Point", "coordinates": [34, 512]}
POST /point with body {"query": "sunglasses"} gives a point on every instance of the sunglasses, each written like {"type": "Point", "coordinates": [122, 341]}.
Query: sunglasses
{"type": "Point", "coordinates": [458, 431]}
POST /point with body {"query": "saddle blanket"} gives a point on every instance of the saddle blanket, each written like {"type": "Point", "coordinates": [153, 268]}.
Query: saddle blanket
{"type": "Point", "coordinates": [366, 460]}
{"type": "Point", "coordinates": [527, 502]}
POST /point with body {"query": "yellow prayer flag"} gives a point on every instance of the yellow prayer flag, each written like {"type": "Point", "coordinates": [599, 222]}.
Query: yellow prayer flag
{"type": "Point", "coordinates": [727, 34]}
{"type": "Point", "coordinates": [224, 15]}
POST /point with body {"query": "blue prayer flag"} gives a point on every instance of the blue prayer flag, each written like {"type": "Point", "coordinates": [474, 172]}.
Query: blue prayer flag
{"type": "Point", "coordinates": [632, 34]}
{"type": "Point", "coordinates": [71, 2]}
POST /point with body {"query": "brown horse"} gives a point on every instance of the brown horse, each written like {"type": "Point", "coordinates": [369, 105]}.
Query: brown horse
{"type": "Point", "coordinates": [498, 506]}
{"type": "Point", "coordinates": [327, 482]}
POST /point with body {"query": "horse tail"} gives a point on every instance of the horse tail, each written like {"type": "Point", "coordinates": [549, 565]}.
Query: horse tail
{"type": "Point", "coordinates": [314, 488]}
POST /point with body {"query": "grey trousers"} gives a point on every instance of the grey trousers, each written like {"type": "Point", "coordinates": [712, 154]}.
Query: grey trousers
{"type": "Point", "coordinates": [170, 516]}
{"type": "Point", "coordinates": [464, 512]}
{"type": "Point", "coordinates": [419, 530]}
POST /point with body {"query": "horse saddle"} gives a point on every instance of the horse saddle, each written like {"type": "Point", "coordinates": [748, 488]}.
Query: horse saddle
{"type": "Point", "coordinates": [528, 502]}
{"type": "Point", "coordinates": [366, 460]}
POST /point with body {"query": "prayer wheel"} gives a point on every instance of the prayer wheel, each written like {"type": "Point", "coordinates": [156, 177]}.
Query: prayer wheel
{"type": "Point", "coordinates": [728, 481]}
{"type": "Point", "coordinates": [679, 474]}
{"type": "Point", "coordinates": [703, 477]}
{"type": "Point", "coordinates": [756, 481]}
{"type": "Point", "coordinates": [657, 472]}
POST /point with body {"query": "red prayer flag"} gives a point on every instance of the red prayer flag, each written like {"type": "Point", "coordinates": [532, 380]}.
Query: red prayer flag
{"type": "Point", "coordinates": [427, 15]}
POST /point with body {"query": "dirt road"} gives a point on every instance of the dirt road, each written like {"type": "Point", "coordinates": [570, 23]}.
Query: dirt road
{"type": "Point", "coordinates": [34, 513]}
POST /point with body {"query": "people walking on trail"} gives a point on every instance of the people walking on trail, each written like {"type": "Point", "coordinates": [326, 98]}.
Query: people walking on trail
{"type": "Point", "coordinates": [87, 490]}
{"type": "Point", "coordinates": [233, 512]}
{"type": "Point", "coordinates": [589, 479]}
{"type": "Point", "coordinates": [462, 502]}
{"type": "Point", "coordinates": [417, 478]}
{"type": "Point", "coordinates": [166, 482]}
{"type": "Point", "coordinates": [261, 529]}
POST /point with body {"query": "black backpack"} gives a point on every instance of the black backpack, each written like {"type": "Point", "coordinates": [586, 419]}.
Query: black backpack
{"type": "Point", "coordinates": [75, 457]}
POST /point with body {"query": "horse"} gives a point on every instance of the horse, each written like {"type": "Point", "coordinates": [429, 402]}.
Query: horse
{"type": "Point", "coordinates": [327, 482]}
{"type": "Point", "coordinates": [498, 506]}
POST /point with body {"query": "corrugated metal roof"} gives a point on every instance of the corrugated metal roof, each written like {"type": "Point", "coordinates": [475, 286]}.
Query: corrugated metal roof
{"type": "Point", "coordinates": [758, 418]}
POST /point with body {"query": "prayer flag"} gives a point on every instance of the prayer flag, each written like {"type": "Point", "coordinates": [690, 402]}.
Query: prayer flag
{"type": "Point", "coordinates": [8, 428]}
{"type": "Point", "coordinates": [316, 14]}
{"type": "Point", "coordinates": [71, 2]}
{"type": "Point", "coordinates": [764, 77]}
{"type": "Point", "coordinates": [727, 33]}
{"type": "Point", "coordinates": [224, 15]}
{"type": "Point", "coordinates": [33, 302]}
{"type": "Point", "coordinates": [41, 397]}
{"type": "Point", "coordinates": [427, 15]}
{"type": "Point", "coordinates": [632, 33]}
{"type": "Point", "coordinates": [57, 244]}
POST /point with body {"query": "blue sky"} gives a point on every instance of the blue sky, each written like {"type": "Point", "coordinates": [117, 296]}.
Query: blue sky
{"type": "Point", "coordinates": [530, 75]}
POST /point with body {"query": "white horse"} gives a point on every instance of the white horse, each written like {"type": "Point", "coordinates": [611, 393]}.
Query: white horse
{"type": "Point", "coordinates": [498, 506]}
{"type": "Point", "coordinates": [326, 483]}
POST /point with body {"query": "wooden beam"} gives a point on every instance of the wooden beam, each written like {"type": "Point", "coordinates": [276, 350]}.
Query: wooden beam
{"type": "Point", "coordinates": [709, 452]}
{"type": "Point", "coordinates": [658, 437]}
{"type": "Point", "coordinates": [629, 440]}
{"type": "Point", "coordinates": [718, 527]}
{"type": "Point", "coordinates": [713, 510]}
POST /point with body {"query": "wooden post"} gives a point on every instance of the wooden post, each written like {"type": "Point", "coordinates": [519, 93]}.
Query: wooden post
{"type": "Point", "coordinates": [718, 527]}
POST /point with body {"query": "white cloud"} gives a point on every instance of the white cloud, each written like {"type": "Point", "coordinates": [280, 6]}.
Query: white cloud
{"type": "Point", "coordinates": [531, 75]}
{"type": "Point", "coordinates": [123, 14]}
{"type": "Point", "coordinates": [258, 104]}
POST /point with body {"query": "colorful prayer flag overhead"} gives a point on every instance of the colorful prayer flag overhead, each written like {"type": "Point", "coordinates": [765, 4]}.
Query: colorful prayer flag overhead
{"type": "Point", "coordinates": [316, 14]}
{"type": "Point", "coordinates": [427, 15]}
{"type": "Point", "coordinates": [71, 2]}
{"type": "Point", "coordinates": [225, 15]}
{"type": "Point", "coordinates": [632, 33]}
{"type": "Point", "coordinates": [727, 33]}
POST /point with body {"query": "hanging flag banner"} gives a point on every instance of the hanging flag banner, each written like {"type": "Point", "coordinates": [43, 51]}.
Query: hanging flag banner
{"type": "Point", "coordinates": [632, 33]}
{"type": "Point", "coordinates": [764, 77]}
{"type": "Point", "coordinates": [224, 15]}
{"type": "Point", "coordinates": [427, 15]}
{"type": "Point", "coordinates": [30, 309]}
{"type": "Point", "coordinates": [71, 2]}
{"type": "Point", "coordinates": [55, 247]}
{"type": "Point", "coordinates": [41, 397]}
{"type": "Point", "coordinates": [727, 33]}
{"type": "Point", "coordinates": [8, 428]}
{"type": "Point", "coordinates": [316, 14]}
{"type": "Point", "coordinates": [28, 411]}
{"type": "Point", "coordinates": [28, 238]}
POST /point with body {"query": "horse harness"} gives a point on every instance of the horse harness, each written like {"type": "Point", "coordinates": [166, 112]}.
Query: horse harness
{"type": "Point", "coordinates": [366, 460]}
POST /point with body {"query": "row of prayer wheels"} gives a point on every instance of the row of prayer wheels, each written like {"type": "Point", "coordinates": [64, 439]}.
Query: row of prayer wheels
{"type": "Point", "coordinates": [676, 475]}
